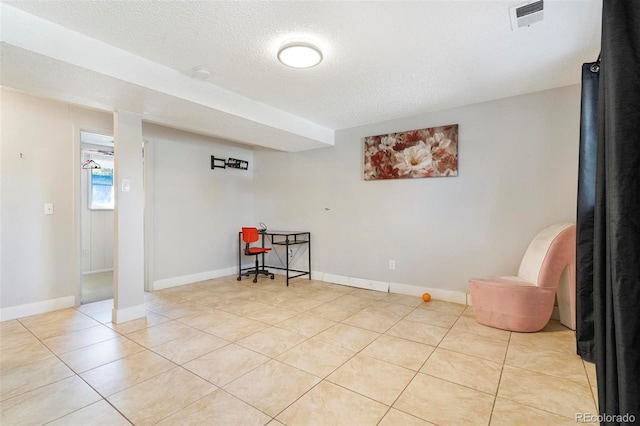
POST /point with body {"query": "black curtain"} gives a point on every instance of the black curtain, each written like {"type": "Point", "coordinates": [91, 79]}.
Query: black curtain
{"type": "Point", "coordinates": [611, 300]}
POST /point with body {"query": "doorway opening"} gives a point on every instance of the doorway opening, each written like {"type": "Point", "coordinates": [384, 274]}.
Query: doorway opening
{"type": "Point", "coordinates": [97, 220]}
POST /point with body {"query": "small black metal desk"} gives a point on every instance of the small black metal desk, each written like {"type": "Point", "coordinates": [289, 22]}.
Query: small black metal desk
{"type": "Point", "coordinates": [286, 239]}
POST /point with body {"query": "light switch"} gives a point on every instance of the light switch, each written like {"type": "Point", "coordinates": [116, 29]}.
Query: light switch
{"type": "Point", "coordinates": [48, 208]}
{"type": "Point", "coordinates": [126, 185]}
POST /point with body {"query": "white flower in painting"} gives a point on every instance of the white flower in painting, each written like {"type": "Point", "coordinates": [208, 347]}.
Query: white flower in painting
{"type": "Point", "coordinates": [387, 143]}
{"type": "Point", "coordinates": [369, 172]}
{"type": "Point", "coordinates": [414, 158]}
{"type": "Point", "coordinates": [438, 141]}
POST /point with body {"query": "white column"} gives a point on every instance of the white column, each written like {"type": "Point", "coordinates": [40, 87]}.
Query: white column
{"type": "Point", "coordinates": [128, 268]}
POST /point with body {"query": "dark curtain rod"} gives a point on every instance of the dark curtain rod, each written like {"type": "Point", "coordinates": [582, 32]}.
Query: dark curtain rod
{"type": "Point", "coordinates": [595, 67]}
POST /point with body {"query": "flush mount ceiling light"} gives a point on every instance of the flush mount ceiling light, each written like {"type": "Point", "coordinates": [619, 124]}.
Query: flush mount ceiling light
{"type": "Point", "coordinates": [300, 54]}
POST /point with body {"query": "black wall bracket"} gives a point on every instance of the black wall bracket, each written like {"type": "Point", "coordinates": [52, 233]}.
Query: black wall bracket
{"type": "Point", "coordinates": [232, 163]}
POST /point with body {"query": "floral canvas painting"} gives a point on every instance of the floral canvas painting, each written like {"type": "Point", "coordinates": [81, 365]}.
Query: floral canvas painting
{"type": "Point", "coordinates": [429, 152]}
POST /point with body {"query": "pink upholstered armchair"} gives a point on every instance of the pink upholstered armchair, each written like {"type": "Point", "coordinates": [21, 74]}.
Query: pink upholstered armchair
{"type": "Point", "coordinates": [525, 302]}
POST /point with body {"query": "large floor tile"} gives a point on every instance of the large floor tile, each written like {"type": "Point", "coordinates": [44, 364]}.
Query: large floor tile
{"type": "Point", "coordinates": [272, 387]}
{"type": "Point", "coordinates": [433, 317]}
{"type": "Point", "coordinates": [316, 357]}
{"type": "Point", "coordinates": [560, 396]}
{"type": "Point", "coordinates": [306, 324]}
{"type": "Point", "coordinates": [271, 314]}
{"type": "Point", "coordinates": [403, 299]}
{"type": "Point", "coordinates": [102, 353]}
{"type": "Point", "coordinates": [225, 364]}
{"type": "Point", "coordinates": [373, 378]}
{"type": "Point", "coordinates": [47, 403]}
{"type": "Point", "coordinates": [271, 341]}
{"type": "Point", "coordinates": [475, 345]}
{"type": "Point", "coordinates": [22, 379]}
{"type": "Point", "coordinates": [353, 300]}
{"type": "Point", "coordinates": [202, 320]}
{"type": "Point", "coordinates": [547, 362]}
{"type": "Point", "coordinates": [46, 326]}
{"type": "Point", "coordinates": [235, 329]}
{"type": "Point", "coordinates": [244, 307]}
{"type": "Point", "coordinates": [126, 372]}
{"type": "Point", "coordinates": [402, 352]}
{"type": "Point", "coordinates": [300, 304]}
{"type": "Point", "coordinates": [17, 356]}
{"type": "Point", "coordinates": [396, 418]}
{"type": "Point", "coordinates": [468, 324]}
{"type": "Point", "coordinates": [50, 317]}
{"type": "Point", "coordinates": [79, 339]}
{"type": "Point", "coordinates": [446, 403]}
{"type": "Point", "coordinates": [180, 310]}
{"type": "Point", "coordinates": [102, 317]}
{"type": "Point", "coordinates": [329, 404]}
{"type": "Point", "coordinates": [337, 312]}
{"type": "Point", "coordinates": [509, 413]}
{"type": "Point", "coordinates": [13, 333]}
{"type": "Point", "coordinates": [162, 333]}
{"type": "Point", "coordinates": [442, 306]}
{"type": "Point", "coordinates": [149, 320]}
{"type": "Point", "coordinates": [217, 409]}
{"type": "Point", "coordinates": [418, 332]}
{"type": "Point", "coordinates": [590, 368]}
{"type": "Point", "coordinates": [348, 337]}
{"type": "Point", "coordinates": [554, 336]}
{"type": "Point", "coordinates": [98, 413]}
{"type": "Point", "coordinates": [374, 318]}
{"type": "Point", "coordinates": [152, 400]}
{"type": "Point", "coordinates": [189, 347]}
{"type": "Point", "coordinates": [476, 373]}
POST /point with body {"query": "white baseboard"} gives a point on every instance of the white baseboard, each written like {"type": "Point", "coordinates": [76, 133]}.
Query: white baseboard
{"type": "Point", "coordinates": [193, 278]}
{"type": "Point", "coordinates": [356, 282]}
{"type": "Point", "coordinates": [20, 311]}
{"type": "Point", "coordinates": [98, 271]}
{"type": "Point", "coordinates": [399, 288]}
{"type": "Point", "coordinates": [436, 293]}
{"type": "Point", "coordinates": [127, 314]}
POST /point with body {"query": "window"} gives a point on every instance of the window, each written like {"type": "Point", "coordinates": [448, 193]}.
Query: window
{"type": "Point", "coordinates": [101, 195]}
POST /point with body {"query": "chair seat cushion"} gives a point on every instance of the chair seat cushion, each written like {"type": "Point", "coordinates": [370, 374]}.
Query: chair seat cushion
{"type": "Point", "coordinates": [511, 303]}
{"type": "Point", "coordinates": [257, 250]}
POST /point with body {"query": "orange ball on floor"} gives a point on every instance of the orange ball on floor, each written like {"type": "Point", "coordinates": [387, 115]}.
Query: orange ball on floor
{"type": "Point", "coordinates": [426, 297]}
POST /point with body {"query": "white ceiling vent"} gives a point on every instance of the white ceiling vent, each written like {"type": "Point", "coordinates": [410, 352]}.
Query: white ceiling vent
{"type": "Point", "coordinates": [526, 14]}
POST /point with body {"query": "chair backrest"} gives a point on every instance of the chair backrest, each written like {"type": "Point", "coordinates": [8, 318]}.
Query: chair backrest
{"type": "Point", "coordinates": [250, 235]}
{"type": "Point", "coordinates": [553, 249]}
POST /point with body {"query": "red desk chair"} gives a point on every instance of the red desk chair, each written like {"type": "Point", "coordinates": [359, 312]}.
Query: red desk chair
{"type": "Point", "coordinates": [251, 235]}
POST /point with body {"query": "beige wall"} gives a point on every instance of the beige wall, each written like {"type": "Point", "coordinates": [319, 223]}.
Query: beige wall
{"type": "Point", "coordinates": [196, 211]}
{"type": "Point", "coordinates": [517, 174]}
{"type": "Point", "coordinates": [37, 154]}
{"type": "Point", "coordinates": [517, 160]}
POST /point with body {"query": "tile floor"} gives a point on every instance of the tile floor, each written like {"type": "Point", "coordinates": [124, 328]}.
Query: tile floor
{"type": "Point", "coordinates": [237, 353]}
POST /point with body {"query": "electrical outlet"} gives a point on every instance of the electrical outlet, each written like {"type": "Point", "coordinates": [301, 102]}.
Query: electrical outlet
{"type": "Point", "coordinates": [290, 253]}
{"type": "Point", "coordinates": [392, 264]}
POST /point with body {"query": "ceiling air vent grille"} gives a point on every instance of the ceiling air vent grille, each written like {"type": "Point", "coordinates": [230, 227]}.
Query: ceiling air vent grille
{"type": "Point", "coordinates": [526, 14]}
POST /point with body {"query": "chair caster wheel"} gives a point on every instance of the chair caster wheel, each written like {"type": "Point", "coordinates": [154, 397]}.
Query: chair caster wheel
{"type": "Point", "coordinates": [273, 276]}
{"type": "Point", "coordinates": [255, 280]}
{"type": "Point", "coordinates": [239, 278]}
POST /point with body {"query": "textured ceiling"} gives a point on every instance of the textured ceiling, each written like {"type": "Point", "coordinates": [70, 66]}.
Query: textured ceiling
{"type": "Point", "coordinates": [382, 60]}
